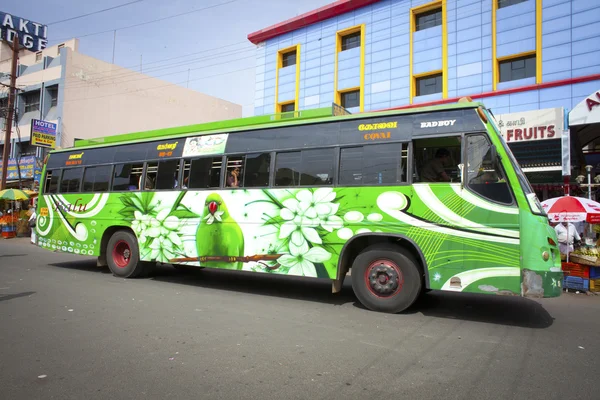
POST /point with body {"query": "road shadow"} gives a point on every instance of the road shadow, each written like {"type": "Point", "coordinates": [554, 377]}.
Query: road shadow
{"type": "Point", "coordinates": [259, 284]}
{"type": "Point", "coordinates": [13, 255]}
{"type": "Point", "coordinates": [6, 297]}
{"type": "Point", "coordinates": [82, 265]}
{"type": "Point", "coordinates": [500, 310]}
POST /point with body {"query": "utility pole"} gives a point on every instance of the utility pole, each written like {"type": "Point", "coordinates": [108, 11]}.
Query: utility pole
{"type": "Point", "coordinates": [11, 109]}
{"type": "Point", "coordinates": [114, 45]}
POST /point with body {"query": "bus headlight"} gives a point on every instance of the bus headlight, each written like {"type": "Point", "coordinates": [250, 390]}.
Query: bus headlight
{"type": "Point", "coordinates": [545, 256]}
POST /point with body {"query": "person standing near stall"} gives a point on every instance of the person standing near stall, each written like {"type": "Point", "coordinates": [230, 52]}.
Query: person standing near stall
{"type": "Point", "coordinates": [32, 220]}
{"type": "Point", "coordinates": [567, 236]}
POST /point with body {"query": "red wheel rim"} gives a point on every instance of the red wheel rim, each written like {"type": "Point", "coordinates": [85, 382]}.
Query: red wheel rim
{"type": "Point", "coordinates": [121, 254]}
{"type": "Point", "coordinates": [384, 278]}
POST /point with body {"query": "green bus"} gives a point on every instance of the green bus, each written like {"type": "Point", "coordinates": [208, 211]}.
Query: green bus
{"type": "Point", "coordinates": [404, 201]}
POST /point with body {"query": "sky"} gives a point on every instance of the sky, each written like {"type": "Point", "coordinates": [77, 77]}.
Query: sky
{"type": "Point", "coordinates": [209, 37]}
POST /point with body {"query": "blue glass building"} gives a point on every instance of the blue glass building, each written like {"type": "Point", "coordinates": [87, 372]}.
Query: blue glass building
{"type": "Point", "coordinates": [515, 56]}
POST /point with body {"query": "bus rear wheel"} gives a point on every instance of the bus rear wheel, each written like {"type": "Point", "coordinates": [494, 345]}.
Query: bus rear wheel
{"type": "Point", "coordinates": [386, 278]}
{"type": "Point", "coordinates": [123, 255]}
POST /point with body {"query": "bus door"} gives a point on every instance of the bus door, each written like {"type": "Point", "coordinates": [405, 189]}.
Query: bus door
{"type": "Point", "coordinates": [438, 206]}
{"type": "Point", "coordinates": [490, 220]}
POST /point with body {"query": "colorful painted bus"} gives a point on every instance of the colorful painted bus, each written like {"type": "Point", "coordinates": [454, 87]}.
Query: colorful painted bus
{"type": "Point", "coordinates": [403, 201]}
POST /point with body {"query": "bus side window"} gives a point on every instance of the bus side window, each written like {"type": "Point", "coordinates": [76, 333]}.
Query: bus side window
{"type": "Point", "coordinates": [317, 167]}
{"type": "Point", "coordinates": [256, 171]}
{"type": "Point", "coordinates": [96, 179]}
{"type": "Point", "coordinates": [202, 173]}
{"type": "Point", "coordinates": [187, 165]}
{"type": "Point", "coordinates": [304, 168]}
{"type": "Point", "coordinates": [374, 164]}
{"type": "Point", "coordinates": [127, 176]}
{"type": "Point", "coordinates": [437, 159]}
{"type": "Point", "coordinates": [151, 175]}
{"type": "Point", "coordinates": [51, 185]}
{"type": "Point", "coordinates": [287, 168]}
{"type": "Point", "coordinates": [168, 174]}
{"type": "Point", "coordinates": [71, 180]}
{"type": "Point", "coordinates": [235, 172]}
{"type": "Point", "coordinates": [484, 174]}
{"type": "Point", "coordinates": [351, 166]}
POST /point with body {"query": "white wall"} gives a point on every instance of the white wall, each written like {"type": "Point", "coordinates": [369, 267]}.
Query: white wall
{"type": "Point", "coordinates": [103, 99]}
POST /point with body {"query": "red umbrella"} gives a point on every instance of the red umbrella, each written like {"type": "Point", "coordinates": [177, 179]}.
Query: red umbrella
{"type": "Point", "coordinates": [572, 209]}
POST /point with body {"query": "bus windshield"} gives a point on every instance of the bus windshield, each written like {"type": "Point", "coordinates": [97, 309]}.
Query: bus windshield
{"type": "Point", "coordinates": [532, 200]}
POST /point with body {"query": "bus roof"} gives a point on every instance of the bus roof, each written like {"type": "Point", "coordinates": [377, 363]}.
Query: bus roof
{"type": "Point", "coordinates": [256, 122]}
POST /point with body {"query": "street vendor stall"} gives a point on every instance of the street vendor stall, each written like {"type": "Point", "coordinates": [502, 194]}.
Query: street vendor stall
{"type": "Point", "coordinates": [579, 247]}
{"type": "Point", "coordinates": [11, 220]}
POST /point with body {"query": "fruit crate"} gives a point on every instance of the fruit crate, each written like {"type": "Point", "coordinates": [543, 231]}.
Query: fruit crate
{"type": "Point", "coordinates": [8, 235]}
{"type": "Point", "coordinates": [8, 231]}
{"type": "Point", "coordinates": [585, 259]}
{"type": "Point", "coordinates": [594, 272]}
{"type": "Point", "coordinates": [595, 285]}
{"type": "Point", "coordinates": [576, 283]}
{"type": "Point", "coordinates": [574, 269]}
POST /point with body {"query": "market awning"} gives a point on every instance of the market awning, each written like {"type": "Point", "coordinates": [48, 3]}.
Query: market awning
{"type": "Point", "coordinates": [587, 111]}
{"type": "Point", "coordinates": [584, 119]}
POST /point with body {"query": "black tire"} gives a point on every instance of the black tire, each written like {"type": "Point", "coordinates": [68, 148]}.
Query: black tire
{"type": "Point", "coordinates": [123, 256]}
{"type": "Point", "coordinates": [386, 278]}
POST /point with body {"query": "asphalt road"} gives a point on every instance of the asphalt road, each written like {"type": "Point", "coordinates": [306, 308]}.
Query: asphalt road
{"type": "Point", "coordinates": [70, 330]}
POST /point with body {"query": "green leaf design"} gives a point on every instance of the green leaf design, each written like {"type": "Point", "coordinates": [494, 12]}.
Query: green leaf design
{"type": "Point", "coordinates": [184, 213]}
{"type": "Point", "coordinates": [126, 200]}
{"type": "Point", "coordinates": [330, 248]}
{"type": "Point", "coordinates": [181, 211]}
{"type": "Point", "coordinates": [273, 198]}
{"type": "Point", "coordinates": [276, 220]}
{"type": "Point", "coordinates": [321, 270]}
{"type": "Point", "coordinates": [259, 201]}
{"type": "Point", "coordinates": [147, 200]}
{"type": "Point", "coordinates": [177, 204]}
{"type": "Point", "coordinates": [128, 212]}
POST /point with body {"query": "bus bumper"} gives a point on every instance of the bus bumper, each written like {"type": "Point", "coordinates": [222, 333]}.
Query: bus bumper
{"type": "Point", "coordinates": [538, 284]}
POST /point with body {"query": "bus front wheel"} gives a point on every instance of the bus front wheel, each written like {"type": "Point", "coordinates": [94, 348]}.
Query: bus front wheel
{"type": "Point", "coordinates": [123, 255]}
{"type": "Point", "coordinates": [386, 278]}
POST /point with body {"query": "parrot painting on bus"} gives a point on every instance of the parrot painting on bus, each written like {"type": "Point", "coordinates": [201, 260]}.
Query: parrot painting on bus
{"type": "Point", "coordinates": [219, 234]}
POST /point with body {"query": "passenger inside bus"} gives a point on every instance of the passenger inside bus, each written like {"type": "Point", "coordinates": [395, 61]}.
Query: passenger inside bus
{"type": "Point", "coordinates": [232, 177]}
{"type": "Point", "coordinates": [149, 183]}
{"type": "Point", "coordinates": [434, 170]}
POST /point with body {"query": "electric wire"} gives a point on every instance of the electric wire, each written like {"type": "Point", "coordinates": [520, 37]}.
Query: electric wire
{"type": "Point", "coordinates": [117, 78]}
{"type": "Point", "coordinates": [160, 60]}
{"type": "Point", "coordinates": [147, 22]}
{"type": "Point", "coordinates": [94, 12]}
